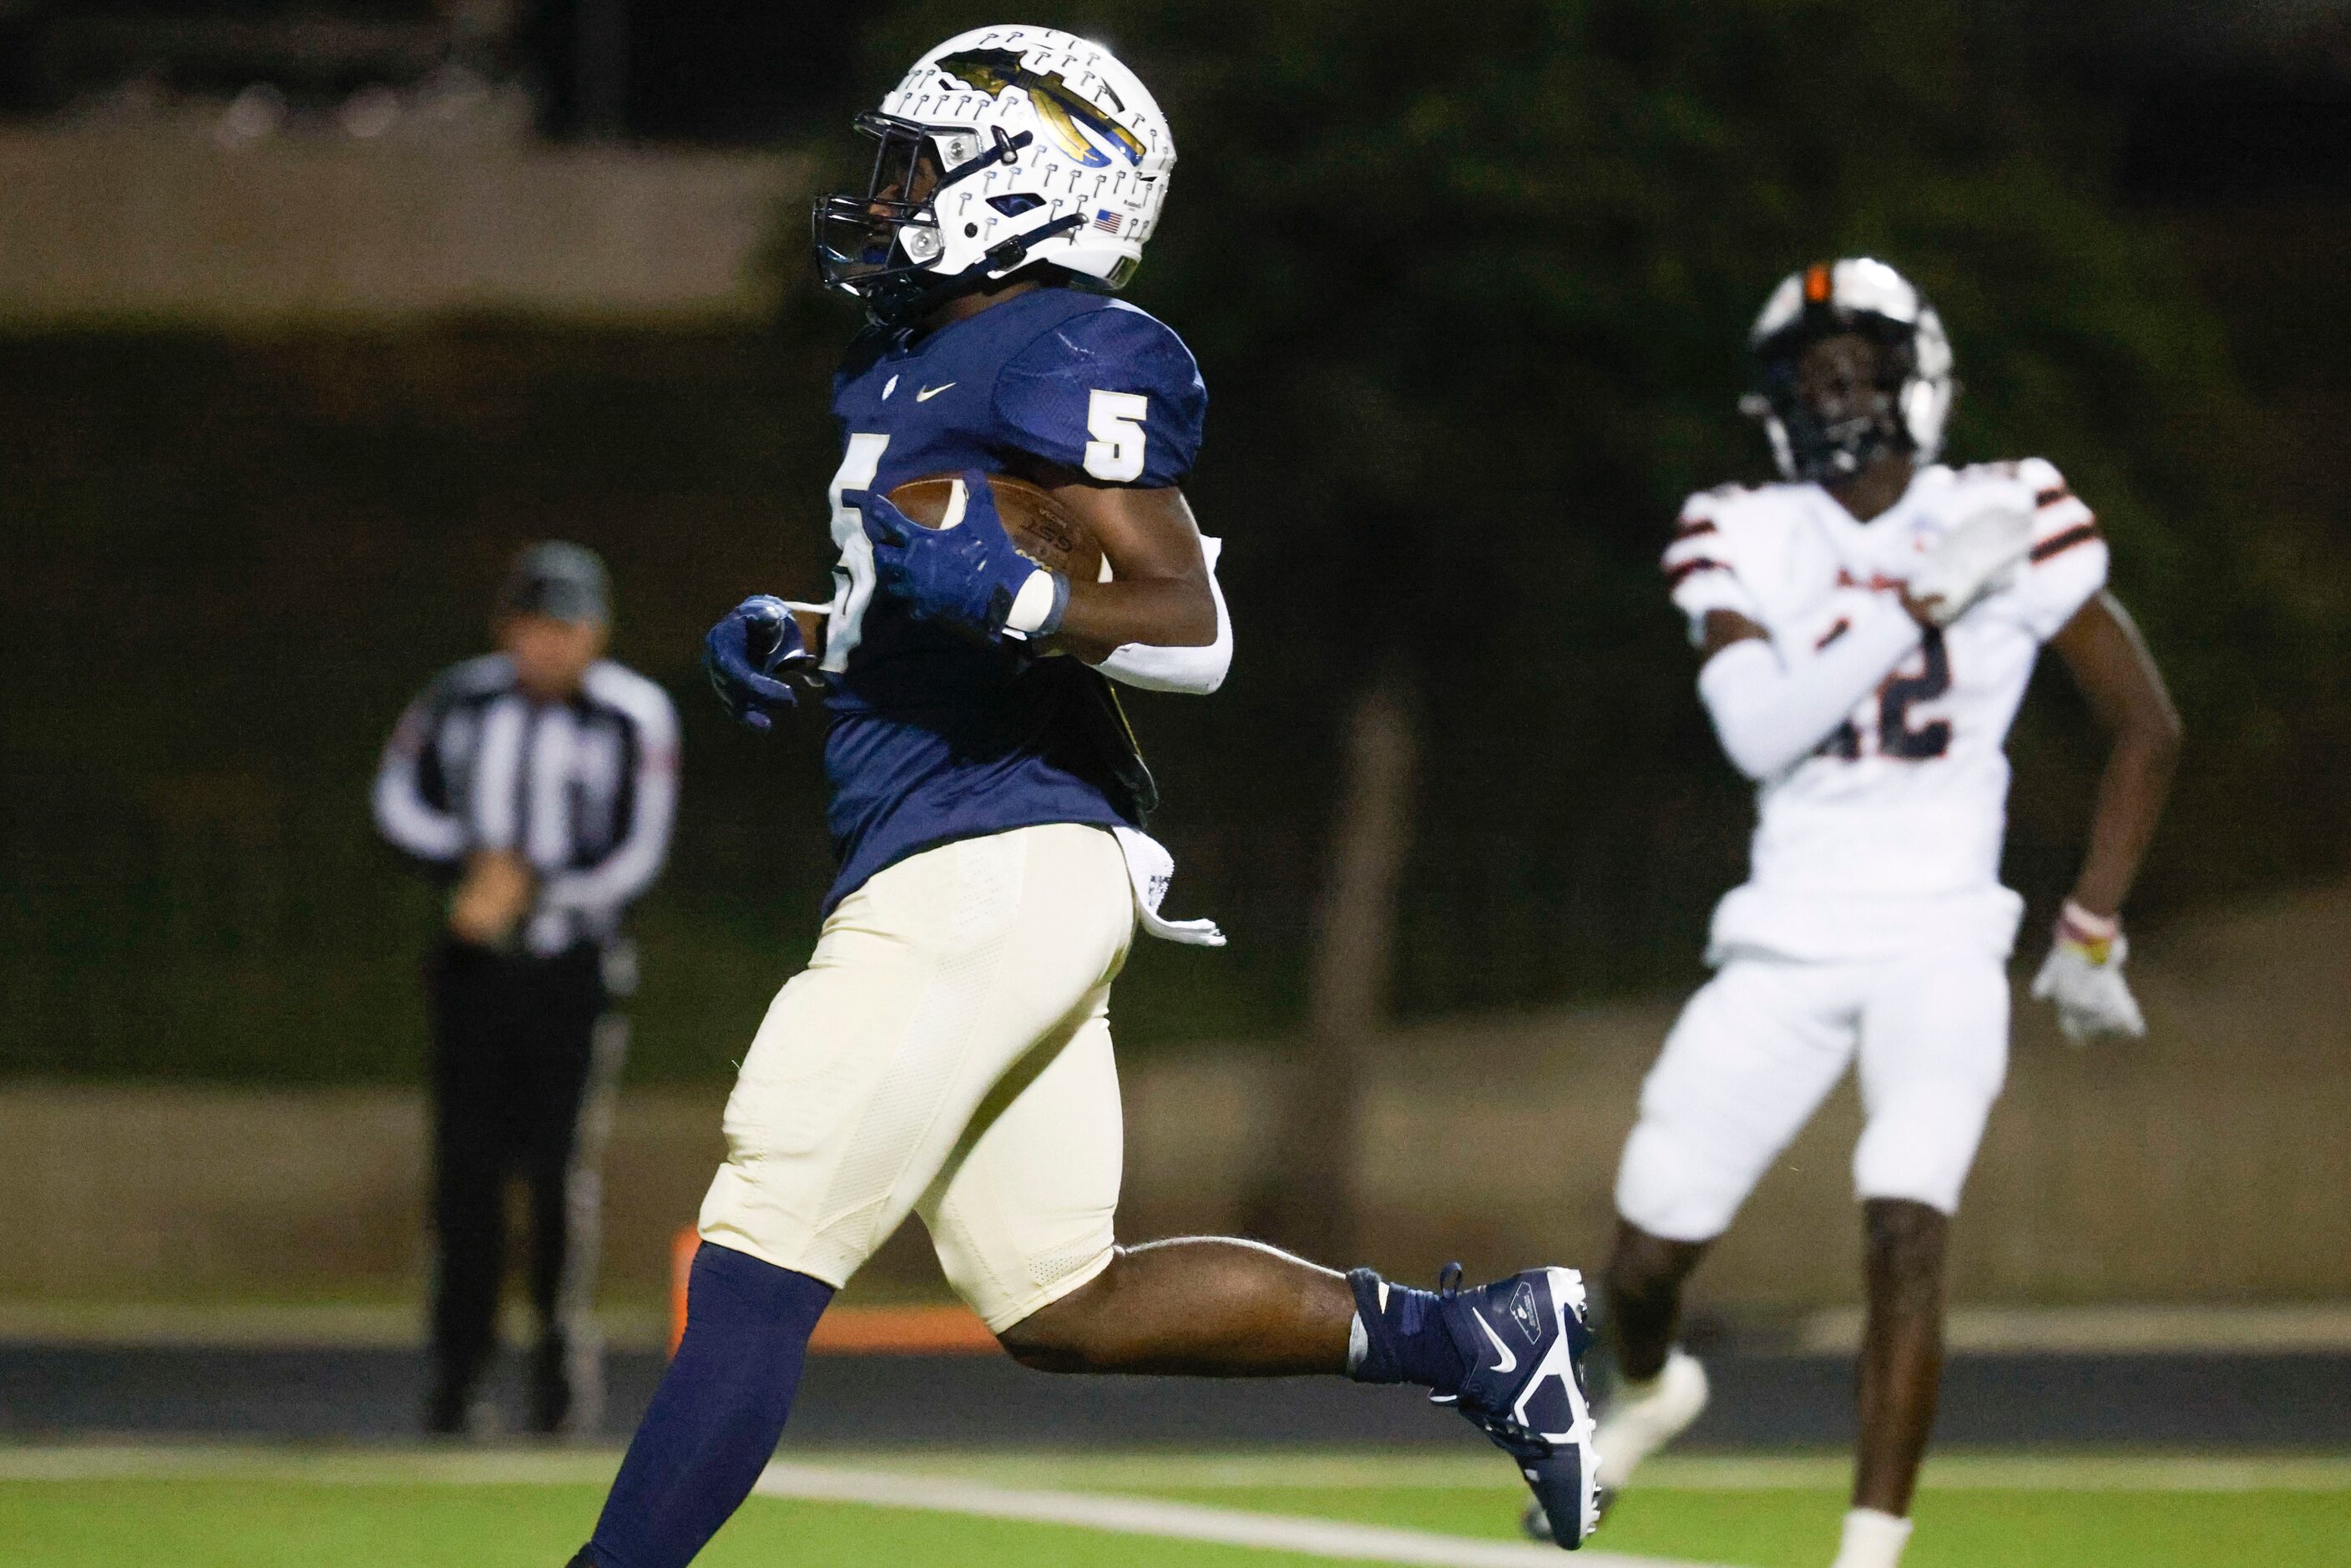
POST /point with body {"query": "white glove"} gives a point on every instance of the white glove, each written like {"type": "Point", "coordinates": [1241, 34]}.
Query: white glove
{"type": "Point", "coordinates": [1969, 561]}
{"type": "Point", "coordinates": [2083, 975]}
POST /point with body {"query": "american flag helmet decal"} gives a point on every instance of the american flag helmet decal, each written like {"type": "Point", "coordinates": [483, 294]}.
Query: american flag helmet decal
{"type": "Point", "coordinates": [1108, 221]}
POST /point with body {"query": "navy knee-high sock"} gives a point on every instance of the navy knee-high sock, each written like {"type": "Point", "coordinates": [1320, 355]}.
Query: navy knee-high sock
{"type": "Point", "coordinates": [714, 1419]}
{"type": "Point", "coordinates": [1402, 1339]}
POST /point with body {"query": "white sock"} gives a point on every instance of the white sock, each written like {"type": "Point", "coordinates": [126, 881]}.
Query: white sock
{"type": "Point", "coordinates": [1872, 1539]}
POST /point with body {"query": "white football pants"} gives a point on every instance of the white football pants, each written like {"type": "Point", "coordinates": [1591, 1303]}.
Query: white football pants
{"type": "Point", "coordinates": [947, 1052]}
{"type": "Point", "coordinates": [1760, 1045]}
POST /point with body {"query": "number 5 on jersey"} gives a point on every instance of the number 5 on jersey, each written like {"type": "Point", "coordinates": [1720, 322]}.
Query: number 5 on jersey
{"type": "Point", "coordinates": [1115, 420]}
{"type": "Point", "coordinates": [852, 576]}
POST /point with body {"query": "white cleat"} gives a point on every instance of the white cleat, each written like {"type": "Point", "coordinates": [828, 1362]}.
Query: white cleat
{"type": "Point", "coordinates": [1644, 1416]}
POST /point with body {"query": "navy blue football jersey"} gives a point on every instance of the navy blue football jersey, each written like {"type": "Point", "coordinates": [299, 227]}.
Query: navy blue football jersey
{"type": "Point", "coordinates": [937, 736]}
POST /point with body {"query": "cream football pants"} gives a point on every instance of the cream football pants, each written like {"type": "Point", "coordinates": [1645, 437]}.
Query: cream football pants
{"type": "Point", "coordinates": [945, 1052]}
{"type": "Point", "coordinates": [1760, 1047]}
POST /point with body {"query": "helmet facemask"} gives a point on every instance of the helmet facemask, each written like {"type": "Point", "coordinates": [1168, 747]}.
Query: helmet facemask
{"type": "Point", "coordinates": [884, 247]}
{"type": "Point", "coordinates": [1829, 414]}
{"type": "Point", "coordinates": [1833, 417]}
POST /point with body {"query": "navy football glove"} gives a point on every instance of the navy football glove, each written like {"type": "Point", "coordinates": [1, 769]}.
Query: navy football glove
{"type": "Point", "coordinates": [746, 652]}
{"type": "Point", "coordinates": [970, 574]}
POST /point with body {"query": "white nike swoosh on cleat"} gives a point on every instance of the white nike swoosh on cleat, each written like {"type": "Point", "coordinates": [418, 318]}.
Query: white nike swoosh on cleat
{"type": "Point", "coordinates": [1509, 1361]}
{"type": "Point", "coordinates": [927, 393]}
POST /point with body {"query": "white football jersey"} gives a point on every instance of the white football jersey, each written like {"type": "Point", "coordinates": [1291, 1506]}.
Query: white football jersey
{"type": "Point", "coordinates": [1894, 824]}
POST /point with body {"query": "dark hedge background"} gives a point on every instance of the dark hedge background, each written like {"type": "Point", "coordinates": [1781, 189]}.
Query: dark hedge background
{"type": "Point", "coordinates": [1469, 302]}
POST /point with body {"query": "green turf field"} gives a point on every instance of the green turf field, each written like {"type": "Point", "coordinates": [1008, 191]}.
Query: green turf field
{"type": "Point", "coordinates": [1955, 1528]}
{"type": "Point", "coordinates": [258, 1508]}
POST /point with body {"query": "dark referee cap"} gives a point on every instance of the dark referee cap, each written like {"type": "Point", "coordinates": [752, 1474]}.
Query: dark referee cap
{"type": "Point", "coordinates": [554, 578]}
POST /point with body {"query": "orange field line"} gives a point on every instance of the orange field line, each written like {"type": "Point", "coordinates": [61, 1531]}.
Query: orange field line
{"type": "Point", "coordinates": [902, 1331]}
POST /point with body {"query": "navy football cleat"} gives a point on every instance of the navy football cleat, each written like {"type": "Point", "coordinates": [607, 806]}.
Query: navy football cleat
{"type": "Point", "coordinates": [1524, 1339]}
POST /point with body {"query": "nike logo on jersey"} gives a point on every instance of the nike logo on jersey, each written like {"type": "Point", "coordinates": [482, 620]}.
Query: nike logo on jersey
{"type": "Point", "coordinates": [927, 393]}
{"type": "Point", "coordinates": [1509, 1361]}
{"type": "Point", "coordinates": [888, 387]}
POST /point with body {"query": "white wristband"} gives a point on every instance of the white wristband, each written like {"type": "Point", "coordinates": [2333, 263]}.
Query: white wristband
{"type": "Point", "coordinates": [1037, 608]}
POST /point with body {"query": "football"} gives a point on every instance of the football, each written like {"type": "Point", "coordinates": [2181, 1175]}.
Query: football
{"type": "Point", "coordinates": [1041, 527]}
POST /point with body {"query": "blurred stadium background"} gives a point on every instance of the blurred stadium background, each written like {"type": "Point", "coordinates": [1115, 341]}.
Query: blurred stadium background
{"type": "Point", "coordinates": [310, 315]}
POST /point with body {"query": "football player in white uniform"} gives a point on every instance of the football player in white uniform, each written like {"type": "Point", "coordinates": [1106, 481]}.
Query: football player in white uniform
{"type": "Point", "coordinates": [1869, 627]}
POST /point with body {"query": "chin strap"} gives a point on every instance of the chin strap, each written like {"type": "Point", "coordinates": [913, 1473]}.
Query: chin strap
{"type": "Point", "coordinates": [999, 260]}
{"type": "Point", "coordinates": [1006, 150]}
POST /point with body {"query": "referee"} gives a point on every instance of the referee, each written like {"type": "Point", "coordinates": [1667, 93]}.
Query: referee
{"type": "Point", "coordinates": [539, 783]}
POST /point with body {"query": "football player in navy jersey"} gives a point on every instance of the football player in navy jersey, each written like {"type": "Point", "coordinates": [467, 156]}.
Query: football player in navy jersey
{"type": "Point", "coordinates": [947, 1051]}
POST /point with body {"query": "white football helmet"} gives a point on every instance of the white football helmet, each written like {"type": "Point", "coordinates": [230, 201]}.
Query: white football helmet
{"type": "Point", "coordinates": [1003, 148]}
{"type": "Point", "coordinates": [1857, 295]}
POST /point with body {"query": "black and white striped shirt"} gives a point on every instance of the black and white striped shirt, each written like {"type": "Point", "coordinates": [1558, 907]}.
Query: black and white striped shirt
{"type": "Point", "coordinates": [584, 791]}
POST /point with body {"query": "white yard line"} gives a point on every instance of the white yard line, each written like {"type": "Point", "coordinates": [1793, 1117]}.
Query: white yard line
{"type": "Point", "coordinates": [1170, 1521]}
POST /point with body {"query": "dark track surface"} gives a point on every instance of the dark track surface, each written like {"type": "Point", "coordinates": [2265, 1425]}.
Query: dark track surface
{"type": "Point", "coordinates": [2204, 1402]}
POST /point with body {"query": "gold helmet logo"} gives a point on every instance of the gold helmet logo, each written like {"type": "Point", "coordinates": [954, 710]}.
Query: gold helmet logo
{"type": "Point", "coordinates": [1067, 116]}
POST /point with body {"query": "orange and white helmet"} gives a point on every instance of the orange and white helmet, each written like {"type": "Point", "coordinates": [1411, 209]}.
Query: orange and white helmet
{"type": "Point", "coordinates": [1003, 148]}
